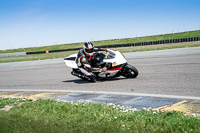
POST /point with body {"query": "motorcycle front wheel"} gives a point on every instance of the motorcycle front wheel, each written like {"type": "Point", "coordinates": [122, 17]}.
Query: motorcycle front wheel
{"type": "Point", "coordinates": [130, 71]}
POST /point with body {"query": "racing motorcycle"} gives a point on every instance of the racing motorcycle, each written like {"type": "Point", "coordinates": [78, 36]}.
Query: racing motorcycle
{"type": "Point", "coordinates": [115, 62]}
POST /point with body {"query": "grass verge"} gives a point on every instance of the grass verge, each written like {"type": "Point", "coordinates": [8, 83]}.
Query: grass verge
{"type": "Point", "coordinates": [123, 50]}
{"type": "Point", "coordinates": [48, 116]}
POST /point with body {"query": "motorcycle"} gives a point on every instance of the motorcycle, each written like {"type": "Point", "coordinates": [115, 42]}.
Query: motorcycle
{"type": "Point", "coordinates": [115, 62]}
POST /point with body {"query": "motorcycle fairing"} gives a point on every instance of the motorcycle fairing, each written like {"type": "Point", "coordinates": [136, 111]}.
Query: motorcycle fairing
{"type": "Point", "coordinates": [70, 61]}
{"type": "Point", "coordinates": [120, 59]}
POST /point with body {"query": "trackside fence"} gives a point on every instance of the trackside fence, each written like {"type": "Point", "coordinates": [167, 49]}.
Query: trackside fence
{"type": "Point", "coordinates": [129, 44]}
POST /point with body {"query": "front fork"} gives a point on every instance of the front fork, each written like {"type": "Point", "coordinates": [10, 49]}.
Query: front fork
{"type": "Point", "coordinates": [123, 71]}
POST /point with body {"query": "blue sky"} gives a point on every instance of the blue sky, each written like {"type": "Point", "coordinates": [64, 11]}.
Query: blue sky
{"type": "Point", "coordinates": [29, 23]}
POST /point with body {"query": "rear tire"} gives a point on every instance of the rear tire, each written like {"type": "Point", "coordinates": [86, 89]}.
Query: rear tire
{"type": "Point", "coordinates": [130, 71]}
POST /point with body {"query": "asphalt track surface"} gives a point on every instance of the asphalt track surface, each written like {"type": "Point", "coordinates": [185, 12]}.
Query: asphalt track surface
{"type": "Point", "coordinates": [165, 72]}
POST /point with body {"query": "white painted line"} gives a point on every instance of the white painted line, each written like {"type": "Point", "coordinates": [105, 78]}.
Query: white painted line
{"type": "Point", "coordinates": [110, 93]}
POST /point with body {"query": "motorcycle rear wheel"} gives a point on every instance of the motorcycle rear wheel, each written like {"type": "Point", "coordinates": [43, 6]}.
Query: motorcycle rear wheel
{"type": "Point", "coordinates": [130, 71]}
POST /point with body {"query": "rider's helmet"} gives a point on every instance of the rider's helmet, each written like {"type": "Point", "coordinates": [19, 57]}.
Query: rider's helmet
{"type": "Point", "coordinates": [88, 48]}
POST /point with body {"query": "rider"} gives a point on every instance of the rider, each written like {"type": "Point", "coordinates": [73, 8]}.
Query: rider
{"type": "Point", "coordinates": [84, 59]}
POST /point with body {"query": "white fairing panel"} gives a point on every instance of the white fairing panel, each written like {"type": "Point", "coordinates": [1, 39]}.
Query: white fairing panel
{"type": "Point", "coordinates": [71, 63]}
{"type": "Point", "coordinates": [119, 59]}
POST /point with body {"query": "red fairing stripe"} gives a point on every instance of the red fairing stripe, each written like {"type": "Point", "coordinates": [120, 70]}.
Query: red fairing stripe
{"type": "Point", "coordinates": [114, 69]}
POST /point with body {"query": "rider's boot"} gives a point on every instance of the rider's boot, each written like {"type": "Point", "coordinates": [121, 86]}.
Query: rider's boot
{"type": "Point", "coordinates": [91, 78]}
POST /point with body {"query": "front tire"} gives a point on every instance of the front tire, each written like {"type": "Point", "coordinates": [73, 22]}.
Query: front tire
{"type": "Point", "coordinates": [130, 71]}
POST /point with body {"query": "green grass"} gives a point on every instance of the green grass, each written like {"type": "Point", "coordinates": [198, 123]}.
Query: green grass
{"type": "Point", "coordinates": [109, 42]}
{"type": "Point", "coordinates": [36, 57]}
{"type": "Point", "coordinates": [46, 116]}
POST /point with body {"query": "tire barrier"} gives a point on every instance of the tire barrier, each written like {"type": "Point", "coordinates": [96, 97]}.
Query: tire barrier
{"type": "Point", "coordinates": [52, 51]}
{"type": "Point", "coordinates": [128, 45]}
{"type": "Point", "coordinates": [153, 42]}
